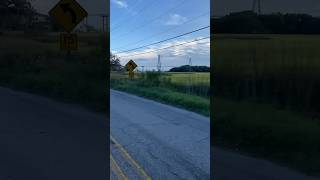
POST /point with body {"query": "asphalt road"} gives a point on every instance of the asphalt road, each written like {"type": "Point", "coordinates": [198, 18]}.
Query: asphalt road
{"type": "Point", "coordinates": [41, 139]}
{"type": "Point", "coordinates": [169, 143]}
{"type": "Point", "coordinates": [166, 142]}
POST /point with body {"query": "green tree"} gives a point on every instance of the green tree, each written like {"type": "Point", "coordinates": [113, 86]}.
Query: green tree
{"type": "Point", "coordinates": [115, 63]}
{"type": "Point", "coordinates": [16, 14]}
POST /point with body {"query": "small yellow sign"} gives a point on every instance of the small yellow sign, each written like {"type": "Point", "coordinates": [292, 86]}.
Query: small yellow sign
{"type": "Point", "coordinates": [68, 13]}
{"type": "Point", "coordinates": [68, 41]}
{"type": "Point", "coordinates": [131, 74]}
{"type": "Point", "coordinates": [131, 65]}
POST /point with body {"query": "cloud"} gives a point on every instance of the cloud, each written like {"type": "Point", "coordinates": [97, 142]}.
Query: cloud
{"type": "Point", "coordinates": [120, 3]}
{"type": "Point", "coordinates": [175, 19]}
{"type": "Point", "coordinates": [193, 49]}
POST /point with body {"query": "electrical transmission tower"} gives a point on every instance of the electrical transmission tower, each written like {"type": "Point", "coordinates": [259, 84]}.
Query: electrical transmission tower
{"type": "Point", "coordinates": [159, 63]}
{"type": "Point", "coordinates": [256, 4]}
{"type": "Point", "coordinates": [190, 61]}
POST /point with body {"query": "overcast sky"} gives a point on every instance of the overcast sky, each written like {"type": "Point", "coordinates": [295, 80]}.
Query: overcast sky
{"type": "Point", "coordinates": [142, 22]}
{"type": "Point", "coordinates": [222, 7]}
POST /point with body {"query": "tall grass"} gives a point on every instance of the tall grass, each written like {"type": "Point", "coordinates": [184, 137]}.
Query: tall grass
{"type": "Point", "coordinates": [283, 70]}
{"type": "Point", "coordinates": [188, 90]}
{"type": "Point", "coordinates": [266, 99]}
{"type": "Point", "coordinates": [36, 64]}
{"type": "Point", "coordinates": [189, 83]}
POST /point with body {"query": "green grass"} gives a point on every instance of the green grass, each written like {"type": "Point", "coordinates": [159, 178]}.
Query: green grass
{"type": "Point", "coordinates": [193, 78]}
{"type": "Point", "coordinates": [160, 87]}
{"type": "Point", "coordinates": [34, 63]}
{"type": "Point", "coordinates": [263, 130]}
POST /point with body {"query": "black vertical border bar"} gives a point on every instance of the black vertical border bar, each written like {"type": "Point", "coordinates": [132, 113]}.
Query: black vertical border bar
{"type": "Point", "coordinates": [211, 92]}
{"type": "Point", "coordinates": [107, 49]}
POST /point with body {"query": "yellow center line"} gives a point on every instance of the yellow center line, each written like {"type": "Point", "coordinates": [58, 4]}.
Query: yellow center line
{"type": "Point", "coordinates": [127, 156]}
{"type": "Point", "coordinates": [116, 168]}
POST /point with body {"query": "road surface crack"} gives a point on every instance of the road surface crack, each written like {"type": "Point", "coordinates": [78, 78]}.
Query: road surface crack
{"type": "Point", "coordinates": [203, 139]}
{"type": "Point", "coordinates": [167, 165]}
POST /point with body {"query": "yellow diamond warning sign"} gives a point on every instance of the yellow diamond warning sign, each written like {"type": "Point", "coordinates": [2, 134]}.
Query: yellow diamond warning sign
{"type": "Point", "coordinates": [68, 13]}
{"type": "Point", "coordinates": [131, 65]}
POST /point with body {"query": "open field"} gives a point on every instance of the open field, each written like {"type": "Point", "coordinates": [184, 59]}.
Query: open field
{"type": "Point", "coordinates": [194, 78]}
{"type": "Point", "coordinates": [34, 63]}
{"type": "Point", "coordinates": [186, 90]}
{"type": "Point", "coordinates": [266, 99]}
{"type": "Point", "coordinates": [283, 70]}
{"type": "Point", "coordinates": [190, 83]}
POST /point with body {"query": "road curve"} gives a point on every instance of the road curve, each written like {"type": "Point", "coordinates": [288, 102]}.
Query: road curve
{"type": "Point", "coordinates": [41, 139]}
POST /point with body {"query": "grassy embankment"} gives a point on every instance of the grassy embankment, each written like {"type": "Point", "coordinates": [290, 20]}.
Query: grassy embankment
{"type": "Point", "coordinates": [185, 90]}
{"type": "Point", "coordinates": [34, 63]}
{"type": "Point", "coordinates": [266, 99]}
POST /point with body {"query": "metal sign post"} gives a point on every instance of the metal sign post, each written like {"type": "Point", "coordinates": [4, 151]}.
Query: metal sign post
{"type": "Point", "coordinates": [130, 66]}
{"type": "Point", "coordinates": [131, 74]}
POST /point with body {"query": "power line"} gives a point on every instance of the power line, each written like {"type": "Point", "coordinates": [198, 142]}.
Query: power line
{"type": "Point", "coordinates": [153, 20]}
{"type": "Point", "coordinates": [181, 53]}
{"type": "Point", "coordinates": [165, 31]}
{"type": "Point", "coordinates": [165, 39]}
{"type": "Point", "coordinates": [156, 50]}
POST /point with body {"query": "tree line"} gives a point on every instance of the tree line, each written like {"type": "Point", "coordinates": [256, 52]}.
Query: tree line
{"type": "Point", "coordinates": [16, 14]}
{"type": "Point", "coordinates": [249, 22]}
{"type": "Point", "coordinates": [115, 65]}
{"type": "Point", "coordinates": [22, 16]}
{"type": "Point", "coordinates": [188, 68]}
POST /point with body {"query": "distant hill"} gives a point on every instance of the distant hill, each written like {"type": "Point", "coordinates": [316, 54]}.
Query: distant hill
{"type": "Point", "coordinates": [249, 22]}
{"type": "Point", "coordinates": [187, 68]}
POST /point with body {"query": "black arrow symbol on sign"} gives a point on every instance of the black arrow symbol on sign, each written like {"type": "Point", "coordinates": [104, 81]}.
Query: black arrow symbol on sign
{"type": "Point", "coordinates": [66, 8]}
